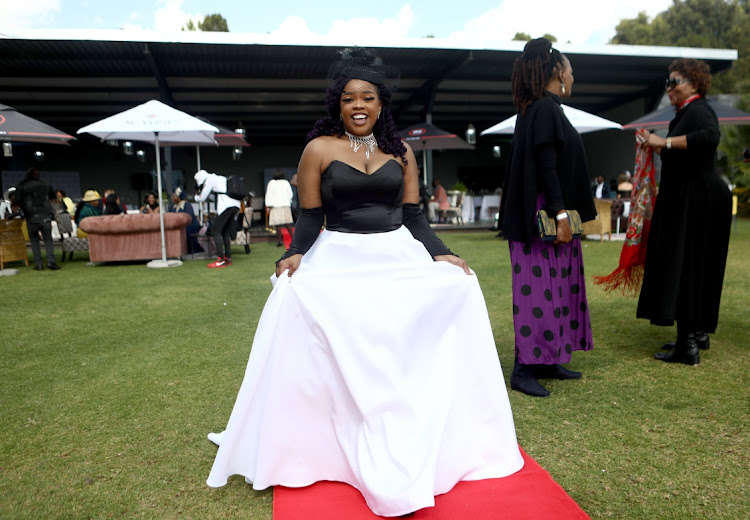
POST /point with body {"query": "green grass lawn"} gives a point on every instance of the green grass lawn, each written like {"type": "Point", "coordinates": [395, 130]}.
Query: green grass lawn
{"type": "Point", "coordinates": [111, 377]}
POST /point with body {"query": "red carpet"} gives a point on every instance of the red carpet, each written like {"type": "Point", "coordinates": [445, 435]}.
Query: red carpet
{"type": "Point", "coordinates": [530, 494]}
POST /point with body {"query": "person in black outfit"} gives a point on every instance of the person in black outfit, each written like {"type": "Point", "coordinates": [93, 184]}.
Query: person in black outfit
{"type": "Point", "coordinates": [33, 196]}
{"type": "Point", "coordinates": [687, 247]}
{"type": "Point", "coordinates": [112, 205]}
{"type": "Point", "coordinates": [600, 189]}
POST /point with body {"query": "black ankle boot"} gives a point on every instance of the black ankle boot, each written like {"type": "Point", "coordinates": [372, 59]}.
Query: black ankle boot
{"type": "Point", "coordinates": [701, 338]}
{"type": "Point", "coordinates": [555, 372]}
{"type": "Point", "coordinates": [523, 380]}
{"type": "Point", "coordinates": [685, 350]}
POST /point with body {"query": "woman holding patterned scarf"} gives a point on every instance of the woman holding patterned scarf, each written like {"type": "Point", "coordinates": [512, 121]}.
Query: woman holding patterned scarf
{"type": "Point", "coordinates": [689, 238]}
{"type": "Point", "coordinates": [547, 170]}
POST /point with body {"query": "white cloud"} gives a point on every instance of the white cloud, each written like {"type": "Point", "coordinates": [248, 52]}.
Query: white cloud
{"type": "Point", "coordinates": [577, 21]}
{"type": "Point", "coordinates": [294, 30]}
{"type": "Point", "coordinates": [360, 29]}
{"type": "Point", "coordinates": [18, 16]}
{"type": "Point", "coordinates": [170, 16]}
{"type": "Point", "coordinates": [355, 31]}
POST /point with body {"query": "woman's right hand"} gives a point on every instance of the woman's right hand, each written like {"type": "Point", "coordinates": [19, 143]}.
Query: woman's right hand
{"type": "Point", "coordinates": [564, 233]}
{"type": "Point", "coordinates": [291, 263]}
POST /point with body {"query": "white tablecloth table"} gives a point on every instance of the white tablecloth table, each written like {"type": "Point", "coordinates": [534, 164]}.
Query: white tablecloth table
{"type": "Point", "coordinates": [490, 205]}
{"type": "Point", "coordinates": [467, 210]}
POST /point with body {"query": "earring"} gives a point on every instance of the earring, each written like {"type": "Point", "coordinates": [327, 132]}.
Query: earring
{"type": "Point", "coordinates": [341, 117]}
{"type": "Point", "coordinates": [378, 115]}
{"type": "Point", "coordinates": [562, 85]}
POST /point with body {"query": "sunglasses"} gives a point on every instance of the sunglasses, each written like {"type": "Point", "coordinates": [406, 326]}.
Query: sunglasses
{"type": "Point", "coordinates": [673, 82]}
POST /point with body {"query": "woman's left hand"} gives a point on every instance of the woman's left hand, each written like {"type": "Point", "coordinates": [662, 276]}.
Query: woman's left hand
{"type": "Point", "coordinates": [453, 259]}
{"type": "Point", "coordinates": [564, 233]}
{"type": "Point", "coordinates": [651, 140]}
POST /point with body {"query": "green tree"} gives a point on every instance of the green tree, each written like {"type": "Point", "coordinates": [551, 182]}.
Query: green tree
{"type": "Point", "coordinates": [522, 37]}
{"type": "Point", "coordinates": [214, 22]}
{"type": "Point", "coordinates": [734, 140]}
{"type": "Point", "coordinates": [717, 24]}
{"type": "Point", "coordinates": [211, 22]}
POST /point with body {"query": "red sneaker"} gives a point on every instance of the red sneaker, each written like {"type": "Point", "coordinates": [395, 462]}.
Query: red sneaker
{"type": "Point", "coordinates": [227, 261]}
{"type": "Point", "coordinates": [219, 263]}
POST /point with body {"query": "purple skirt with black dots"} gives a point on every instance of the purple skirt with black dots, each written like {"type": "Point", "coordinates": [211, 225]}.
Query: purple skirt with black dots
{"type": "Point", "coordinates": [550, 309]}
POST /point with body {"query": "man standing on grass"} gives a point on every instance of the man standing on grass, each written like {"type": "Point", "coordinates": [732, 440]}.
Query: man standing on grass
{"type": "Point", "coordinates": [33, 196]}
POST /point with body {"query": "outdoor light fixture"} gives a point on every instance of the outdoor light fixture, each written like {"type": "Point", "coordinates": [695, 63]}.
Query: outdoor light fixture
{"type": "Point", "coordinates": [141, 155]}
{"type": "Point", "coordinates": [7, 150]}
{"type": "Point", "coordinates": [112, 142]}
{"type": "Point", "coordinates": [471, 134]}
{"type": "Point", "coordinates": [236, 153]}
{"type": "Point", "coordinates": [39, 156]}
{"type": "Point", "coordinates": [127, 148]}
{"type": "Point", "coordinates": [496, 152]}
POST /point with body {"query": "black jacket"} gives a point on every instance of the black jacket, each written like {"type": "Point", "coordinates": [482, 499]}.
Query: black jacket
{"type": "Point", "coordinates": [33, 196]}
{"type": "Point", "coordinates": [544, 132]}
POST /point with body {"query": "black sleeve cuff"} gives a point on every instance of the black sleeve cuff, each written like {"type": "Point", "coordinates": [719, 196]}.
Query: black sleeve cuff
{"type": "Point", "coordinates": [417, 224]}
{"type": "Point", "coordinates": [306, 231]}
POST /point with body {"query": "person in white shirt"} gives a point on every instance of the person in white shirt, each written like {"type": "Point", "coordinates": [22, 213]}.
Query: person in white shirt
{"type": "Point", "coordinates": [279, 197]}
{"type": "Point", "coordinates": [226, 208]}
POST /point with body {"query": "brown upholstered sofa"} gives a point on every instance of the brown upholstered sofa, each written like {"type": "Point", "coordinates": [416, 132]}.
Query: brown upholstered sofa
{"type": "Point", "coordinates": [135, 237]}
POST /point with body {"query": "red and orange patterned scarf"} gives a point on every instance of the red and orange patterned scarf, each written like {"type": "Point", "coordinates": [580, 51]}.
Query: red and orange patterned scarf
{"type": "Point", "coordinates": [629, 274]}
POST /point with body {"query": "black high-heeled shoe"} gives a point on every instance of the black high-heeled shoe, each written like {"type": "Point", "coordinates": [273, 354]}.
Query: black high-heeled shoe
{"type": "Point", "coordinates": [684, 351]}
{"type": "Point", "coordinates": [701, 338]}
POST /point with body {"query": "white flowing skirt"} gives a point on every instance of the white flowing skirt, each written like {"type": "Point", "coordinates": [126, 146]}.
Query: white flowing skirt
{"type": "Point", "coordinates": [375, 366]}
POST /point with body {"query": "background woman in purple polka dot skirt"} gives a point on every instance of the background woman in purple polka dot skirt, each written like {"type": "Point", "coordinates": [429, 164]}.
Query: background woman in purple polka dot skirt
{"type": "Point", "coordinates": [547, 170]}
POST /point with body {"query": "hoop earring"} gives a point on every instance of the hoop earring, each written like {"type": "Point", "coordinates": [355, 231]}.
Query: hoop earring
{"type": "Point", "coordinates": [562, 85]}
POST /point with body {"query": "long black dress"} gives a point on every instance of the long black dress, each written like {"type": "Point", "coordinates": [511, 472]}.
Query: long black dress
{"type": "Point", "coordinates": [687, 246]}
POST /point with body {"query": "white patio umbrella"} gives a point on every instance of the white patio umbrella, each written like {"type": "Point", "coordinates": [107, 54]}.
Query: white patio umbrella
{"type": "Point", "coordinates": [581, 121]}
{"type": "Point", "coordinates": [151, 122]}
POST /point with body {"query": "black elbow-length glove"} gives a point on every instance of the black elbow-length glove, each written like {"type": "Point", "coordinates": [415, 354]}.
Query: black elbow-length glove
{"type": "Point", "coordinates": [417, 224]}
{"type": "Point", "coordinates": [306, 231]}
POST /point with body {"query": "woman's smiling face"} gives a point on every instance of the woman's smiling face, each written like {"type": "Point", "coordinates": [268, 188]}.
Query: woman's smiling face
{"type": "Point", "coordinates": [360, 106]}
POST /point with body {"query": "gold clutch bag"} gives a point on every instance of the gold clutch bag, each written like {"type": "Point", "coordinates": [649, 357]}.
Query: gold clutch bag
{"type": "Point", "coordinates": [548, 228]}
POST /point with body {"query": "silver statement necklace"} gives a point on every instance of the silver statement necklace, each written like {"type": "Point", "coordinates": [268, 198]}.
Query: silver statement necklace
{"type": "Point", "coordinates": [368, 141]}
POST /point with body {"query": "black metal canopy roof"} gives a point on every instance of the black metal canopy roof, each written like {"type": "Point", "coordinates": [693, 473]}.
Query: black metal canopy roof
{"type": "Point", "coordinates": [276, 91]}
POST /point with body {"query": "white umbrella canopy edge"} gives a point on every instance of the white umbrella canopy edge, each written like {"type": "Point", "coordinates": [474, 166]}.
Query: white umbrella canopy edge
{"type": "Point", "coordinates": [581, 120]}
{"type": "Point", "coordinates": [141, 122]}
{"type": "Point", "coordinates": [150, 122]}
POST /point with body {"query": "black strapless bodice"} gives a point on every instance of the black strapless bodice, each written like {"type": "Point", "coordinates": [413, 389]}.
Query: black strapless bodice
{"type": "Point", "coordinates": [356, 202]}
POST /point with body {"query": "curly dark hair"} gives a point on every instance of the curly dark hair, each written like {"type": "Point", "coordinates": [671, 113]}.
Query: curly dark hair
{"type": "Point", "coordinates": [697, 71]}
{"type": "Point", "coordinates": [385, 129]}
{"type": "Point", "coordinates": [532, 71]}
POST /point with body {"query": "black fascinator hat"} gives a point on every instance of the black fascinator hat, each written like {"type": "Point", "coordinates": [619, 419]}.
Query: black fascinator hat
{"type": "Point", "coordinates": [362, 63]}
{"type": "Point", "coordinates": [537, 47]}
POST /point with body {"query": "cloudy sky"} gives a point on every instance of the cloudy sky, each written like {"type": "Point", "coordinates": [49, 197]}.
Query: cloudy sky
{"type": "Point", "coordinates": [306, 21]}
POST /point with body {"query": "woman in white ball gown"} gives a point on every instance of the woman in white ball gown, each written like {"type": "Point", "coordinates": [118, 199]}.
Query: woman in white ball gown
{"type": "Point", "coordinates": [374, 362]}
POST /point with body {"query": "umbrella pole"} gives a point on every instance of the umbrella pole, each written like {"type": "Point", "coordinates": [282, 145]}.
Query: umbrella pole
{"type": "Point", "coordinates": [163, 262]}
